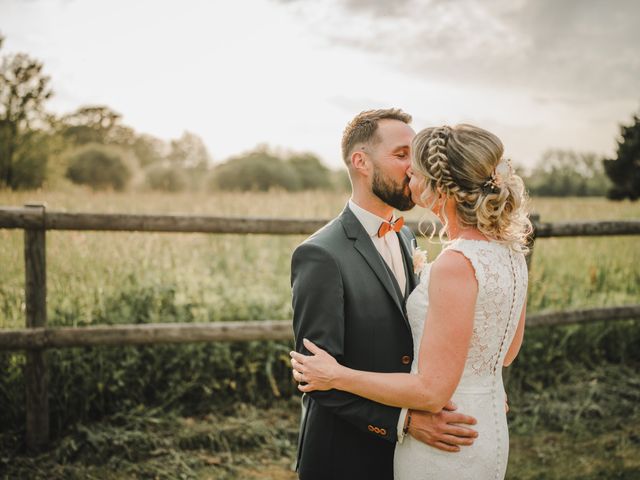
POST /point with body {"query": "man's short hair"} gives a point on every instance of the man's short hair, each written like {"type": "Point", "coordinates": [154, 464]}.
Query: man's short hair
{"type": "Point", "coordinates": [363, 128]}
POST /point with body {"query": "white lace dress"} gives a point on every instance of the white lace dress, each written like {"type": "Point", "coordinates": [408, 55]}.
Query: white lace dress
{"type": "Point", "coordinates": [502, 285]}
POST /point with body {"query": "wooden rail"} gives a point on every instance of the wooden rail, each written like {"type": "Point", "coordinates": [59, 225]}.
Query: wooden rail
{"type": "Point", "coordinates": [36, 338]}
{"type": "Point", "coordinates": [153, 334]}
{"type": "Point", "coordinates": [37, 218]}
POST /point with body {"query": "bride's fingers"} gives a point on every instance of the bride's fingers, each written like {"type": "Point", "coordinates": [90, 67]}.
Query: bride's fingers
{"type": "Point", "coordinates": [298, 357]}
{"type": "Point", "coordinates": [312, 347]}
{"type": "Point", "coordinates": [299, 368]}
{"type": "Point", "coordinates": [297, 365]}
{"type": "Point", "coordinates": [305, 388]}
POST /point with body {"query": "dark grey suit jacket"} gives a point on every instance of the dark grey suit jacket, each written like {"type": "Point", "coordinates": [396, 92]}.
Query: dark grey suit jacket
{"type": "Point", "coordinates": [346, 300]}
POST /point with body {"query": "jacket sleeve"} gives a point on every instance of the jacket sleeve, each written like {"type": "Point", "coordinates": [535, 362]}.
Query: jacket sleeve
{"type": "Point", "coordinates": [318, 315]}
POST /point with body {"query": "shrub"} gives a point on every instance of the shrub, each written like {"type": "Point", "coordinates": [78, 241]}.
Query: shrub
{"type": "Point", "coordinates": [258, 170]}
{"type": "Point", "coordinates": [99, 167]}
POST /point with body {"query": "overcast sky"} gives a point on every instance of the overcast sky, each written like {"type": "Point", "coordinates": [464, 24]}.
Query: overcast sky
{"type": "Point", "coordinates": [291, 73]}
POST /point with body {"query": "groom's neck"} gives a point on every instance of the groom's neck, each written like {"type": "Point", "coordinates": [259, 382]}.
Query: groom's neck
{"type": "Point", "coordinates": [371, 203]}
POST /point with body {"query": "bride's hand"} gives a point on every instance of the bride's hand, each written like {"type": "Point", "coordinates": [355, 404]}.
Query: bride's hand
{"type": "Point", "coordinates": [319, 371]}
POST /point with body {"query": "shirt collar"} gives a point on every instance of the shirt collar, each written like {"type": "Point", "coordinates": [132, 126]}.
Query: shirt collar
{"type": "Point", "coordinates": [370, 221]}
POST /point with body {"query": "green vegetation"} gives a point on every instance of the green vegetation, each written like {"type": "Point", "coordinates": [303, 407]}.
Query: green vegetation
{"type": "Point", "coordinates": [99, 167]}
{"type": "Point", "coordinates": [624, 170]}
{"type": "Point", "coordinates": [564, 173]}
{"type": "Point", "coordinates": [180, 411]}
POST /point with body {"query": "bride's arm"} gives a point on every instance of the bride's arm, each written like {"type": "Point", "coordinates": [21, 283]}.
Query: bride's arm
{"type": "Point", "coordinates": [443, 350]}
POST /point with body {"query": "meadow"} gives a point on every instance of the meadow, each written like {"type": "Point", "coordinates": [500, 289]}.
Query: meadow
{"type": "Point", "coordinates": [230, 410]}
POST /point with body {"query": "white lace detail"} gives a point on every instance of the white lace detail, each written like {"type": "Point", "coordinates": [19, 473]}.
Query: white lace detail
{"type": "Point", "coordinates": [502, 285]}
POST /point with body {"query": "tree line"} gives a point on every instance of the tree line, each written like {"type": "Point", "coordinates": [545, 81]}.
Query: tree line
{"type": "Point", "coordinates": [92, 146]}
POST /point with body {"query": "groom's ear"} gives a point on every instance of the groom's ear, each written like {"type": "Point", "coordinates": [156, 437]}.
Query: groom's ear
{"type": "Point", "coordinates": [360, 162]}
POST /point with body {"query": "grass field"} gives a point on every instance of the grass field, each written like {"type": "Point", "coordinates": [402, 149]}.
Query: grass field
{"type": "Point", "coordinates": [159, 412]}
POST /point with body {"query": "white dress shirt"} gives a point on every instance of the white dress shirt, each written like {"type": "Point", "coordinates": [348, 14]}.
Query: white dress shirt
{"type": "Point", "coordinates": [388, 247]}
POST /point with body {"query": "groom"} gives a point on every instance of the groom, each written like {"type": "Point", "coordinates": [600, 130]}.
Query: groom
{"type": "Point", "coordinates": [350, 281]}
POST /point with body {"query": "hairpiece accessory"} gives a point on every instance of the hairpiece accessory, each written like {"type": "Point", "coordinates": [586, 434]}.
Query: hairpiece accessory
{"type": "Point", "coordinates": [502, 172]}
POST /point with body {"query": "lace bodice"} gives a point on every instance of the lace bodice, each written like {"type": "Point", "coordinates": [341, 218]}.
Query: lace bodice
{"type": "Point", "coordinates": [502, 285]}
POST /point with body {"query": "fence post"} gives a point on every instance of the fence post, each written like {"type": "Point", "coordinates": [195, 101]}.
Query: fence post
{"type": "Point", "coordinates": [35, 373]}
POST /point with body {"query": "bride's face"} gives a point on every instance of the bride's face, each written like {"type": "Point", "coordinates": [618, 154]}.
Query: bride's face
{"type": "Point", "coordinates": [416, 185]}
{"type": "Point", "coordinates": [419, 188]}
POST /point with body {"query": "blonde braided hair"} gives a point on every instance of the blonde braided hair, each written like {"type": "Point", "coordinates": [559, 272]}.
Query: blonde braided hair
{"type": "Point", "coordinates": [458, 163]}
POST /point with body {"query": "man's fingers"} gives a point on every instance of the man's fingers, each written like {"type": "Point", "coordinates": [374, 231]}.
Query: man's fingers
{"type": "Point", "coordinates": [456, 431]}
{"type": "Point", "coordinates": [452, 417]}
{"type": "Point", "coordinates": [455, 440]}
{"type": "Point", "coordinates": [446, 447]}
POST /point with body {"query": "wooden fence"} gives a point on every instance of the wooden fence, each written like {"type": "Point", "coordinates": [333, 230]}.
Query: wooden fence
{"type": "Point", "coordinates": [36, 337]}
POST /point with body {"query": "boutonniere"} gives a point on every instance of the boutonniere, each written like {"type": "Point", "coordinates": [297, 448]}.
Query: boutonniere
{"type": "Point", "coordinates": [419, 260]}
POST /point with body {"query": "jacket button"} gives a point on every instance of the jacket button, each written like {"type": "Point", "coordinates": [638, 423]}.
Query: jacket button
{"type": "Point", "coordinates": [406, 360]}
{"type": "Point", "coordinates": [370, 428]}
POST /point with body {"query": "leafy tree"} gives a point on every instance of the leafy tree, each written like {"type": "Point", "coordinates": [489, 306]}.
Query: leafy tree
{"type": "Point", "coordinates": [31, 159]}
{"type": "Point", "coordinates": [312, 174]}
{"type": "Point", "coordinates": [96, 124]}
{"type": "Point", "coordinates": [189, 151]}
{"type": "Point", "coordinates": [23, 91]}
{"type": "Point", "coordinates": [99, 167]}
{"type": "Point", "coordinates": [624, 170]}
{"type": "Point", "coordinates": [563, 173]}
{"type": "Point", "coordinates": [149, 149]}
{"type": "Point", "coordinates": [257, 170]}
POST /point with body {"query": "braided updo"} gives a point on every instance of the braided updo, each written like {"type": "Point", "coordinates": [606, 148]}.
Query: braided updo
{"type": "Point", "coordinates": [458, 163]}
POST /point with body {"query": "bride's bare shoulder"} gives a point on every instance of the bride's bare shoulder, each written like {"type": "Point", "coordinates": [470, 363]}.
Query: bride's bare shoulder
{"type": "Point", "coordinates": [452, 265]}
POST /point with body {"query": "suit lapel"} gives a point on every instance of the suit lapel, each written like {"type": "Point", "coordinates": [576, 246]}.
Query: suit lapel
{"type": "Point", "coordinates": [363, 244]}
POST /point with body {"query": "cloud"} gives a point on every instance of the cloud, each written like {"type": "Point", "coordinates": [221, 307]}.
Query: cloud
{"type": "Point", "coordinates": [571, 51]}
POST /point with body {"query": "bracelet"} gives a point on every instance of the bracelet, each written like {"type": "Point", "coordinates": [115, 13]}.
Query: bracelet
{"type": "Point", "coordinates": [406, 425]}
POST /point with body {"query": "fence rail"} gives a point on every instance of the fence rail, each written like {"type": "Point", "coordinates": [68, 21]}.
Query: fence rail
{"type": "Point", "coordinates": [154, 334]}
{"type": "Point", "coordinates": [36, 218]}
{"type": "Point", "coordinates": [36, 338]}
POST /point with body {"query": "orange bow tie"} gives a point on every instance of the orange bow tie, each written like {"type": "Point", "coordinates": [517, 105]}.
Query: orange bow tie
{"type": "Point", "coordinates": [386, 227]}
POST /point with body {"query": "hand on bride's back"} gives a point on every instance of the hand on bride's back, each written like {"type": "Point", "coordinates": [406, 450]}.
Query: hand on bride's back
{"type": "Point", "coordinates": [317, 371]}
{"type": "Point", "coordinates": [443, 430]}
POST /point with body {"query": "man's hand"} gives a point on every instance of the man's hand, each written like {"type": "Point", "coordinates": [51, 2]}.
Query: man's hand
{"type": "Point", "coordinates": [440, 430]}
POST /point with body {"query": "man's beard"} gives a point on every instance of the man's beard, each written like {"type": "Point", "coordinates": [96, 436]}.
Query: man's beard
{"type": "Point", "coordinates": [397, 196]}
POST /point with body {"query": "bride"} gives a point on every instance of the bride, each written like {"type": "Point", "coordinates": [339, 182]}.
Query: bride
{"type": "Point", "coordinates": [470, 303]}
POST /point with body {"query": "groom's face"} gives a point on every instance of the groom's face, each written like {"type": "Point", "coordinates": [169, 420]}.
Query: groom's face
{"type": "Point", "coordinates": [391, 159]}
